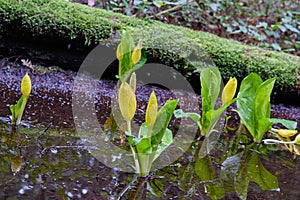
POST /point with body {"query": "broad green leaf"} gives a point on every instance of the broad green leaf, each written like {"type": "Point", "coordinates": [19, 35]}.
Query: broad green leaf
{"type": "Point", "coordinates": [143, 145]}
{"type": "Point", "coordinates": [143, 132]}
{"type": "Point", "coordinates": [210, 79]}
{"type": "Point", "coordinates": [262, 126]}
{"type": "Point", "coordinates": [164, 116]}
{"type": "Point", "coordinates": [204, 171]}
{"type": "Point", "coordinates": [287, 123]}
{"type": "Point", "coordinates": [246, 96]}
{"type": "Point", "coordinates": [125, 49]}
{"type": "Point", "coordinates": [19, 105]}
{"type": "Point", "coordinates": [261, 109]}
{"type": "Point", "coordinates": [212, 117]}
{"type": "Point", "coordinates": [193, 116]}
{"type": "Point", "coordinates": [166, 141]}
{"type": "Point", "coordinates": [261, 104]}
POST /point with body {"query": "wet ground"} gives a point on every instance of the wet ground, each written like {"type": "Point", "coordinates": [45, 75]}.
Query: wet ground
{"type": "Point", "coordinates": [56, 165]}
{"type": "Point", "coordinates": [51, 97]}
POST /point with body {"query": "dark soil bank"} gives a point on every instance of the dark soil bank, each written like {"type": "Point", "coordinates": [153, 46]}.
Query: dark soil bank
{"type": "Point", "coordinates": [51, 97]}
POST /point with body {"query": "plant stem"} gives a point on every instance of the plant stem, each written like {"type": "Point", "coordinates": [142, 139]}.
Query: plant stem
{"type": "Point", "coordinates": [129, 126]}
{"type": "Point", "coordinates": [21, 110]}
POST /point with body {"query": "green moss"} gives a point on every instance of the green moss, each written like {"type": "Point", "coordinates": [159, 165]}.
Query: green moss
{"type": "Point", "coordinates": [179, 46]}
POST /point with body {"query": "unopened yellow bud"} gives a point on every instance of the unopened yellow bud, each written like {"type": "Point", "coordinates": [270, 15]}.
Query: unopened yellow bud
{"type": "Point", "coordinates": [151, 111]}
{"type": "Point", "coordinates": [119, 52]}
{"type": "Point", "coordinates": [26, 85]}
{"type": "Point", "coordinates": [137, 53]}
{"type": "Point", "coordinates": [286, 132]}
{"type": "Point", "coordinates": [127, 101]}
{"type": "Point", "coordinates": [132, 81]}
{"type": "Point", "coordinates": [229, 90]}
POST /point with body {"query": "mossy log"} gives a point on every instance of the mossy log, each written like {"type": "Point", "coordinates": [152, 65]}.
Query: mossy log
{"type": "Point", "coordinates": [176, 46]}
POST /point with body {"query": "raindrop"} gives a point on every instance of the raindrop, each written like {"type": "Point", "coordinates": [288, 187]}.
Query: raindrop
{"type": "Point", "coordinates": [70, 194]}
{"type": "Point", "coordinates": [84, 191]}
{"type": "Point", "coordinates": [53, 150]}
{"type": "Point", "coordinates": [22, 191]}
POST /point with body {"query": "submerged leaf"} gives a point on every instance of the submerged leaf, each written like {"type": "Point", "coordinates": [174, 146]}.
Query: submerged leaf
{"type": "Point", "coordinates": [252, 169]}
{"type": "Point", "coordinates": [205, 172]}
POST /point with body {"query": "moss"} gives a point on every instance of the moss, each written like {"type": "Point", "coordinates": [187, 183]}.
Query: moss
{"type": "Point", "coordinates": [179, 46]}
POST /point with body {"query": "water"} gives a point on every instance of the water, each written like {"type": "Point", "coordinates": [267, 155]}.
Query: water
{"type": "Point", "coordinates": [55, 165]}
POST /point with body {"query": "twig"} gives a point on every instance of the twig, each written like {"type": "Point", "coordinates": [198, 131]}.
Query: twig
{"type": "Point", "coordinates": [127, 187]}
{"type": "Point", "coordinates": [173, 8]}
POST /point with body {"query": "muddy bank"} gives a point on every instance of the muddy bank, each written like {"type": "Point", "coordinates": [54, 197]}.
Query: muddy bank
{"type": "Point", "coordinates": [51, 97]}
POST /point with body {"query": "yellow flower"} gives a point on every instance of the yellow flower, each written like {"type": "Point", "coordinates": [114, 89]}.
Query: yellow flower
{"type": "Point", "coordinates": [26, 85]}
{"type": "Point", "coordinates": [151, 111]}
{"type": "Point", "coordinates": [127, 101]}
{"type": "Point", "coordinates": [137, 53]}
{"type": "Point", "coordinates": [229, 90]}
{"type": "Point", "coordinates": [132, 81]}
{"type": "Point", "coordinates": [119, 52]}
{"type": "Point", "coordinates": [286, 132]}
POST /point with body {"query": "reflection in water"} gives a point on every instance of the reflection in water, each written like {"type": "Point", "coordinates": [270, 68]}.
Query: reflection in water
{"type": "Point", "coordinates": [55, 165]}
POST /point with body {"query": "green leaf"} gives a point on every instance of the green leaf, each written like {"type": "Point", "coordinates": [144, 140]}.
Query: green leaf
{"type": "Point", "coordinates": [13, 113]}
{"type": "Point", "coordinates": [125, 64]}
{"type": "Point", "coordinates": [143, 131]}
{"type": "Point", "coordinates": [16, 109]}
{"type": "Point", "coordinates": [164, 116]}
{"type": "Point", "coordinates": [193, 116]}
{"type": "Point", "coordinates": [254, 105]}
{"type": "Point", "coordinates": [287, 123]}
{"type": "Point", "coordinates": [143, 145]}
{"type": "Point", "coordinates": [210, 88]}
{"type": "Point", "coordinates": [261, 104]}
{"type": "Point", "coordinates": [204, 171]}
{"type": "Point", "coordinates": [166, 141]}
{"type": "Point", "coordinates": [212, 117]}
{"type": "Point", "coordinates": [263, 125]}
{"type": "Point", "coordinates": [246, 96]}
